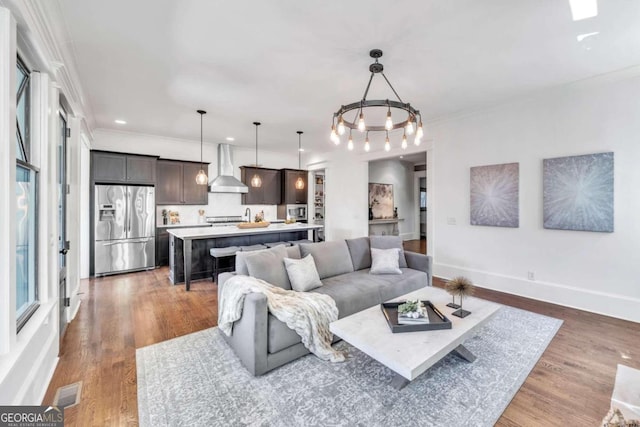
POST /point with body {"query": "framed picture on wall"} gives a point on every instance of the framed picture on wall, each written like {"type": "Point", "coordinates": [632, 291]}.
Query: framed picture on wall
{"type": "Point", "coordinates": [381, 200]}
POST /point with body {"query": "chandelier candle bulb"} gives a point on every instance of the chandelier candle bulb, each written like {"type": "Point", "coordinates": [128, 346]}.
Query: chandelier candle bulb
{"type": "Point", "coordinates": [409, 127]}
{"type": "Point", "coordinates": [419, 132]}
{"type": "Point", "coordinates": [367, 146]}
{"type": "Point", "coordinates": [361, 125]}
{"type": "Point", "coordinates": [404, 141]}
{"type": "Point", "coordinates": [350, 143]}
{"type": "Point", "coordinates": [341, 127]}
{"type": "Point", "coordinates": [388, 125]}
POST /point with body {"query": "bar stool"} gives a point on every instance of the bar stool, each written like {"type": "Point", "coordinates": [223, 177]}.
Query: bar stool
{"type": "Point", "coordinates": [219, 253]}
{"type": "Point", "coordinates": [252, 248]}
{"type": "Point", "coordinates": [297, 242]}
{"type": "Point", "coordinates": [274, 244]}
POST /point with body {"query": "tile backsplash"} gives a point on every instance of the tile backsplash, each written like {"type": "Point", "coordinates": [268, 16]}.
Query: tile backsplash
{"type": "Point", "coordinates": [189, 214]}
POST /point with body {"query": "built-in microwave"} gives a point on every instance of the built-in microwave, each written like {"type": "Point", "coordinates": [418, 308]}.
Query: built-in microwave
{"type": "Point", "coordinates": [297, 212]}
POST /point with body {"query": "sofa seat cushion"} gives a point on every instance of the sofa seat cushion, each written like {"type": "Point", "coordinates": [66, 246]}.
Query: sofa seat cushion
{"type": "Point", "coordinates": [352, 292]}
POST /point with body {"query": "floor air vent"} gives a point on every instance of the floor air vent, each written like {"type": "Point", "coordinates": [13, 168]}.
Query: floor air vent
{"type": "Point", "coordinates": [68, 395]}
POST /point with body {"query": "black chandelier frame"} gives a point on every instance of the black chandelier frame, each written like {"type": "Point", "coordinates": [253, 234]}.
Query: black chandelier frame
{"type": "Point", "coordinates": [376, 68]}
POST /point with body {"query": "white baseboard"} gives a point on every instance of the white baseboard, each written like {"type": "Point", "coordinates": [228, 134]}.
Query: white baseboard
{"type": "Point", "coordinates": [48, 380]}
{"type": "Point", "coordinates": [613, 305]}
{"type": "Point", "coordinates": [408, 236]}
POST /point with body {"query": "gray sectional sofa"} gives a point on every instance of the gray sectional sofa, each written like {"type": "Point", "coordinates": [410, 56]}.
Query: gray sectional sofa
{"type": "Point", "coordinates": [263, 343]}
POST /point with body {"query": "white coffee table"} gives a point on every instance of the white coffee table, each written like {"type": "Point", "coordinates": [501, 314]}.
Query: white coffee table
{"type": "Point", "coordinates": [409, 354]}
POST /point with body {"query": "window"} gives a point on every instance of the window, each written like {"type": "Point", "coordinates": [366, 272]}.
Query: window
{"type": "Point", "coordinates": [26, 206]}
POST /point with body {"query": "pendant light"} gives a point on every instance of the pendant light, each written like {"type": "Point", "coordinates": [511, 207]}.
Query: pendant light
{"type": "Point", "coordinates": [256, 181]}
{"type": "Point", "coordinates": [201, 177]}
{"type": "Point", "coordinates": [299, 181]}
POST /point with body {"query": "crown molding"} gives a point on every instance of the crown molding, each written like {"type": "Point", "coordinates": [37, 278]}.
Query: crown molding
{"type": "Point", "coordinates": [41, 26]}
{"type": "Point", "coordinates": [537, 94]}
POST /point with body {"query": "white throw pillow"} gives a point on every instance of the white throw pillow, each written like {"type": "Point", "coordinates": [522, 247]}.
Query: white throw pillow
{"type": "Point", "coordinates": [303, 273]}
{"type": "Point", "coordinates": [385, 261]}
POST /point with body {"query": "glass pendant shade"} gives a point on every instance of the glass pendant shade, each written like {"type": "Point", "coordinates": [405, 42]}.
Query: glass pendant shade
{"type": "Point", "coordinates": [256, 181]}
{"type": "Point", "coordinates": [201, 178]}
{"type": "Point", "coordinates": [299, 185]}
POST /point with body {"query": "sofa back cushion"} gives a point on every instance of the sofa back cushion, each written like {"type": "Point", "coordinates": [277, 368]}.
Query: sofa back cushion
{"type": "Point", "coordinates": [360, 251]}
{"type": "Point", "coordinates": [241, 264]}
{"type": "Point", "coordinates": [389, 242]}
{"type": "Point", "coordinates": [268, 265]}
{"type": "Point", "coordinates": [331, 258]}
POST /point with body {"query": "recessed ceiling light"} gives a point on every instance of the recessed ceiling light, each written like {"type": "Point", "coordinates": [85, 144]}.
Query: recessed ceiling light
{"type": "Point", "coordinates": [120, 122]}
{"type": "Point", "coordinates": [583, 9]}
{"type": "Point", "coordinates": [230, 138]}
{"type": "Point", "coordinates": [402, 157]}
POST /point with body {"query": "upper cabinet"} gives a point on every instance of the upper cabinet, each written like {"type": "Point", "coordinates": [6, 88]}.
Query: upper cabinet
{"type": "Point", "coordinates": [176, 184]}
{"type": "Point", "coordinates": [120, 168]}
{"type": "Point", "coordinates": [268, 193]}
{"type": "Point", "coordinates": [290, 194]}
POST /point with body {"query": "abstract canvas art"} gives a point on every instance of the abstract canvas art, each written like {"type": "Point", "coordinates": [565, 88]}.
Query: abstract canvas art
{"type": "Point", "coordinates": [494, 195]}
{"type": "Point", "coordinates": [381, 200]}
{"type": "Point", "coordinates": [578, 193]}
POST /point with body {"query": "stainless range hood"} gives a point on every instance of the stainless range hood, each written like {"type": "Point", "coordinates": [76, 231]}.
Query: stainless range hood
{"type": "Point", "coordinates": [225, 182]}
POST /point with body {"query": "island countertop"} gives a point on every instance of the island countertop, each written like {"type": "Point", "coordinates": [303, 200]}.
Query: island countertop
{"type": "Point", "coordinates": [213, 232]}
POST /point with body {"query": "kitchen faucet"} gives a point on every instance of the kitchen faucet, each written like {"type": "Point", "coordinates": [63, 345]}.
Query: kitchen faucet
{"type": "Point", "coordinates": [248, 215]}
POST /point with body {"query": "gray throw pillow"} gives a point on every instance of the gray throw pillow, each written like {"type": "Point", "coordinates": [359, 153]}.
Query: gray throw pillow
{"type": "Point", "coordinates": [268, 265]}
{"type": "Point", "coordinates": [360, 252]}
{"type": "Point", "coordinates": [303, 274]}
{"type": "Point", "coordinates": [388, 242]}
{"type": "Point", "coordinates": [332, 258]}
{"type": "Point", "coordinates": [385, 261]}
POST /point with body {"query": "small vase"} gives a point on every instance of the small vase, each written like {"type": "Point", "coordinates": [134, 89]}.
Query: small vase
{"type": "Point", "coordinates": [370, 213]}
{"type": "Point", "coordinates": [164, 220]}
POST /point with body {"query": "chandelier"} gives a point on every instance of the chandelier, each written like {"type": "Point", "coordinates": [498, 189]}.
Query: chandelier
{"type": "Point", "coordinates": [404, 115]}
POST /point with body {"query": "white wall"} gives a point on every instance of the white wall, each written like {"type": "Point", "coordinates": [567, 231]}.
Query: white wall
{"type": "Point", "coordinates": [401, 175]}
{"type": "Point", "coordinates": [593, 271]}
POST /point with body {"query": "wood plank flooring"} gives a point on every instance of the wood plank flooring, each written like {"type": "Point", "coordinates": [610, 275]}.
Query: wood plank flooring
{"type": "Point", "coordinates": [570, 385]}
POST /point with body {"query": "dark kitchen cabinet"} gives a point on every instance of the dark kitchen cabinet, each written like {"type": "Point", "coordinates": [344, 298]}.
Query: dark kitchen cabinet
{"type": "Point", "coordinates": [268, 193]}
{"type": "Point", "coordinates": [141, 169]}
{"type": "Point", "coordinates": [290, 194]}
{"type": "Point", "coordinates": [193, 193]}
{"type": "Point", "coordinates": [162, 247]}
{"type": "Point", "coordinates": [120, 168]}
{"type": "Point", "coordinates": [176, 183]}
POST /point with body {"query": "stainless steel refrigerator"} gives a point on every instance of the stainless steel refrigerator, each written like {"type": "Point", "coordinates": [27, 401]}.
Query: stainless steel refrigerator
{"type": "Point", "coordinates": [124, 228]}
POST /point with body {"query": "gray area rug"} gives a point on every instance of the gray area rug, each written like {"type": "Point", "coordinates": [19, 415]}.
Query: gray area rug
{"type": "Point", "coordinates": [196, 380]}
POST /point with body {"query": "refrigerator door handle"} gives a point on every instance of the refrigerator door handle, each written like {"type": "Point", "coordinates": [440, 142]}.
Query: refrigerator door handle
{"type": "Point", "coordinates": [129, 208]}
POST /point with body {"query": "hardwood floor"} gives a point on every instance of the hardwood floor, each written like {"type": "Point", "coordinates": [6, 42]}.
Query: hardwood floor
{"type": "Point", "coordinates": [570, 385]}
{"type": "Point", "coordinates": [117, 315]}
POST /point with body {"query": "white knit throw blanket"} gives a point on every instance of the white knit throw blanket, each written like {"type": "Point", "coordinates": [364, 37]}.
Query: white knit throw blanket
{"type": "Point", "coordinates": [307, 313]}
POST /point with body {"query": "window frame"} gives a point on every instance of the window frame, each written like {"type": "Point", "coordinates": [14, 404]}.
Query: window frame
{"type": "Point", "coordinates": [27, 151]}
{"type": "Point", "coordinates": [24, 140]}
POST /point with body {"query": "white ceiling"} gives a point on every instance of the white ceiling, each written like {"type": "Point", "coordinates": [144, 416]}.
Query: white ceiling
{"type": "Point", "coordinates": [291, 64]}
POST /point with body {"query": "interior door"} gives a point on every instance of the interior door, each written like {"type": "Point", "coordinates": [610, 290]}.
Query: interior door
{"type": "Point", "coordinates": [63, 244]}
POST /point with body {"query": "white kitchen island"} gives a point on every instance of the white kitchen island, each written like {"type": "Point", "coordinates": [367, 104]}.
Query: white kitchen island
{"type": "Point", "coordinates": [189, 247]}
